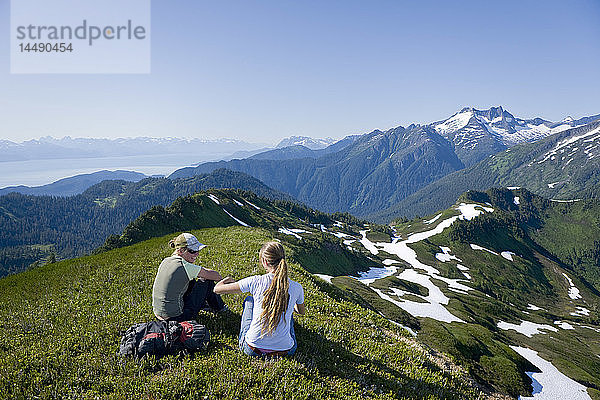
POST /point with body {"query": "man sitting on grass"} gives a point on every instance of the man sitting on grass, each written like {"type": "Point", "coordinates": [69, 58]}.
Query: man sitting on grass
{"type": "Point", "coordinates": [181, 288]}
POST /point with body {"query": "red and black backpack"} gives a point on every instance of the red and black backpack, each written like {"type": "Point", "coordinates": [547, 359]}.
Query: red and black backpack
{"type": "Point", "coordinates": [160, 338]}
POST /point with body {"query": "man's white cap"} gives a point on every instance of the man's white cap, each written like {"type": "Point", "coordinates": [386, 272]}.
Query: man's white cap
{"type": "Point", "coordinates": [188, 240]}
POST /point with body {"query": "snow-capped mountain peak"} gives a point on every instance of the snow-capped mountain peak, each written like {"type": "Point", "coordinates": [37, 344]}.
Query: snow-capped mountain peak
{"type": "Point", "coordinates": [455, 122]}
{"type": "Point", "coordinates": [501, 125]}
{"type": "Point", "coordinates": [311, 143]}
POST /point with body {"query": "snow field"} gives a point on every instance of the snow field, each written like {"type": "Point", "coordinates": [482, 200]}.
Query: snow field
{"type": "Point", "coordinates": [421, 273]}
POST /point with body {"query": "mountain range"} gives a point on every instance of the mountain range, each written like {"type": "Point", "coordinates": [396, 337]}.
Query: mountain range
{"type": "Point", "coordinates": [367, 173]}
{"type": "Point", "coordinates": [67, 147]}
{"type": "Point", "coordinates": [563, 166]}
{"type": "Point", "coordinates": [477, 133]}
{"type": "Point", "coordinates": [381, 175]}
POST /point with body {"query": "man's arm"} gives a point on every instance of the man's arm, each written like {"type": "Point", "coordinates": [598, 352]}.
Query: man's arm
{"type": "Point", "coordinates": [227, 285]}
{"type": "Point", "coordinates": [209, 274]}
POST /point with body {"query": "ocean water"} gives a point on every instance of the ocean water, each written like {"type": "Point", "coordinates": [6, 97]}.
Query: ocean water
{"type": "Point", "coordinates": [42, 172]}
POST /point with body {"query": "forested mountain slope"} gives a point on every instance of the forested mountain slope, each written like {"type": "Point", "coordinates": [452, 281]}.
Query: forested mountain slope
{"type": "Point", "coordinates": [41, 227]}
{"type": "Point", "coordinates": [375, 171]}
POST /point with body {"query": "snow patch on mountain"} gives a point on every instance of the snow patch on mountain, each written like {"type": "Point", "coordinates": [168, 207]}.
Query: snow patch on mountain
{"type": "Point", "coordinates": [564, 325]}
{"type": "Point", "coordinates": [445, 256]}
{"type": "Point", "coordinates": [553, 185]}
{"type": "Point", "coordinates": [289, 232]}
{"type": "Point", "coordinates": [566, 145]}
{"type": "Point", "coordinates": [573, 291]}
{"type": "Point", "coordinates": [235, 219]}
{"type": "Point", "coordinates": [257, 207]}
{"type": "Point", "coordinates": [477, 247]}
{"type": "Point", "coordinates": [527, 328]}
{"type": "Point", "coordinates": [367, 243]}
{"type": "Point", "coordinates": [470, 211]}
{"type": "Point", "coordinates": [550, 384]}
{"type": "Point", "coordinates": [581, 311]}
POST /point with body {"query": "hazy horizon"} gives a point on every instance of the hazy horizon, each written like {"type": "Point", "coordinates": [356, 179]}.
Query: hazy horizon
{"type": "Point", "coordinates": [256, 141]}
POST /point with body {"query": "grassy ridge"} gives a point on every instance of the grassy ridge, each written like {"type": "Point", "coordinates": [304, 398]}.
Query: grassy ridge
{"type": "Point", "coordinates": [61, 326]}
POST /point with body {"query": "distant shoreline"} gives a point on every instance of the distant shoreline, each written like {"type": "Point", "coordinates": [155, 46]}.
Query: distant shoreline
{"type": "Point", "coordinates": [43, 172]}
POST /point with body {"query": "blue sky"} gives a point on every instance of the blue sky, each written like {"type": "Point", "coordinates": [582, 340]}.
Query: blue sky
{"type": "Point", "coordinates": [261, 71]}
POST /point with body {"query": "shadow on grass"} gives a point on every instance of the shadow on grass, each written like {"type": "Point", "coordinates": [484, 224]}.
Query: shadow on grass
{"type": "Point", "coordinates": [333, 359]}
{"type": "Point", "coordinates": [330, 358]}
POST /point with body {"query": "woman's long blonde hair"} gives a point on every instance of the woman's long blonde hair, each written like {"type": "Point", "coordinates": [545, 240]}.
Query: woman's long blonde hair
{"type": "Point", "coordinates": [276, 297]}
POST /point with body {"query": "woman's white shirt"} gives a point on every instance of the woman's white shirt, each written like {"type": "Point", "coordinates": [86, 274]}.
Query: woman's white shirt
{"type": "Point", "coordinates": [281, 338]}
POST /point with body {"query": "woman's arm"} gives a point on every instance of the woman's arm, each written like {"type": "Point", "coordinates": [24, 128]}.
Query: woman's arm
{"type": "Point", "coordinates": [227, 285]}
{"type": "Point", "coordinates": [300, 308]}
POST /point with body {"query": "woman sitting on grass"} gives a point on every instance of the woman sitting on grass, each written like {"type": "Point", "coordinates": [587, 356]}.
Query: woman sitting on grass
{"type": "Point", "coordinates": [267, 326]}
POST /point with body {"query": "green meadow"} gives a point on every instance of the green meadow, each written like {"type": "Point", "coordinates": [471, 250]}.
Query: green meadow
{"type": "Point", "coordinates": [62, 325]}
